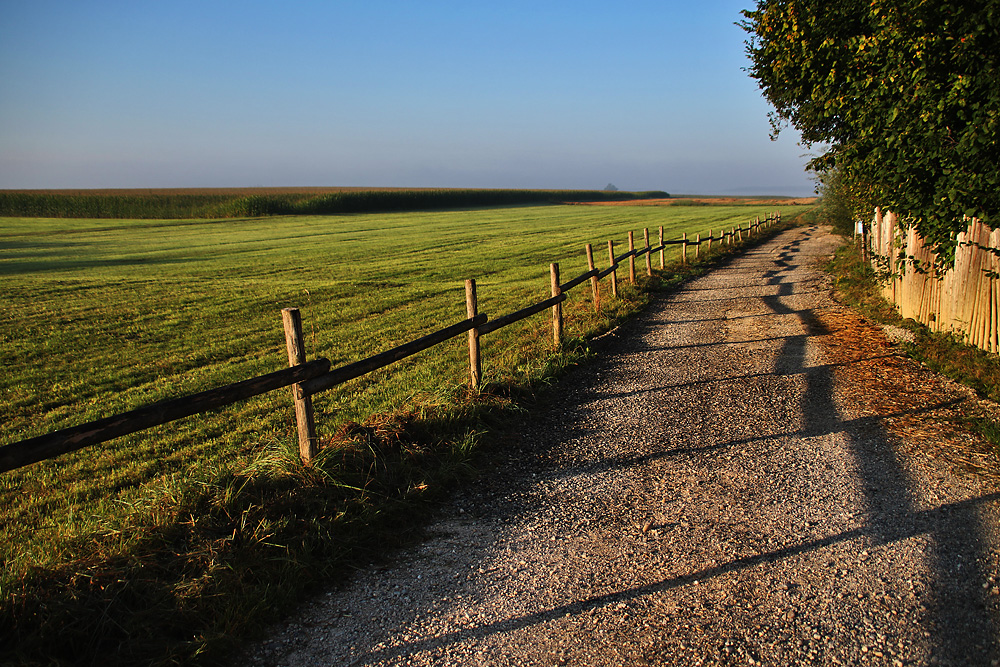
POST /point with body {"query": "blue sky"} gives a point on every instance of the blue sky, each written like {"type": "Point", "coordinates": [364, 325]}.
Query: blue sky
{"type": "Point", "coordinates": [645, 95]}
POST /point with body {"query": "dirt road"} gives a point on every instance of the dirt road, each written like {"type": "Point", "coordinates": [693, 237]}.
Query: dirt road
{"type": "Point", "coordinates": [721, 487]}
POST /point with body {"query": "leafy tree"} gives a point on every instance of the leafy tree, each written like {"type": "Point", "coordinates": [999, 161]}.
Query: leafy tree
{"type": "Point", "coordinates": [905, 93]}
{"type": "Point", "coordinates": [837, 202]}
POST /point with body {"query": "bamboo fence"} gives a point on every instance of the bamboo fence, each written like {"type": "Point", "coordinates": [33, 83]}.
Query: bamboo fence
{"type": "Point", "coordinates": [962, 299]}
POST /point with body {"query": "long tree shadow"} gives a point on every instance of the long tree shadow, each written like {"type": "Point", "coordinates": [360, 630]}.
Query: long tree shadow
{"type": "Point", "coordinates": [921, 523]}
{"type": "Point", "coordinates": [965, 632]}
{"type": "Point", "coordinates": [727, 378]}
{"type": "Point", "coordinates": [861, 424]}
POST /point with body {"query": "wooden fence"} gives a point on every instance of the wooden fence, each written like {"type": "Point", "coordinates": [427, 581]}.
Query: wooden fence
{"type": "Point", "coordinates": [307, 378]}
{"type": "Point", "coordinates": [962, 299]}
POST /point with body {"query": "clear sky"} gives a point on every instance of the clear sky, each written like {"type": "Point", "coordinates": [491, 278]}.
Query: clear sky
{"type": "Point", "coordinates": [436, 93]}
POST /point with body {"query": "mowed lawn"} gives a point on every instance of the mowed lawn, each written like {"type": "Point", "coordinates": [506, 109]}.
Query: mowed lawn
{"type": "Point", "coordinates": [103, 316]}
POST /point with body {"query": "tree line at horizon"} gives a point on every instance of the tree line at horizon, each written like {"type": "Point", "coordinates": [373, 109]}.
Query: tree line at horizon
{"type": "Point", "coordinates": [235, 204]}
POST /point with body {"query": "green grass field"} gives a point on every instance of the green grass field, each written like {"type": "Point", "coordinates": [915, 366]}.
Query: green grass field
{"type": "Point", "coordinates": [103, 316]}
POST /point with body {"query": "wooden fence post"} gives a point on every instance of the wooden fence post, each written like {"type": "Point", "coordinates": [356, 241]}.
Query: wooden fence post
{"type": "Point", "coordinates": [649, 260]}
{"type": "Point", "coordinates": [594, 280]}
{"type": "Point", "coordinates": [710, 232]}
{"type": "Point", "coordinates": [614, 272]}
{"type": "Point", "coordinates": [697, 247]}
{"type": "Point", "coordinates": [662, 265]}
{"type": "Point", "coordinates": [631, 258]}
{"type": "Point", "coordinates": [684, 248]}
{"type": "Point", "coordinates": [296, 345]}
{"type": "Point", "coordinates": [472, 309]}
{"type": "Point", "coordinates": [557, 321]}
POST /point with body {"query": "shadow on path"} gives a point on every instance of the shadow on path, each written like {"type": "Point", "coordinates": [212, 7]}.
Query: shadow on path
{"type": "Point", "coordinates": [964, 631]}
{"type": "Point", "coordinates": [919, 523]}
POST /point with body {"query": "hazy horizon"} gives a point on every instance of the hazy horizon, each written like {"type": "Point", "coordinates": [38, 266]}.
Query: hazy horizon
{"type": "Point", "coordinates": [647, 96]}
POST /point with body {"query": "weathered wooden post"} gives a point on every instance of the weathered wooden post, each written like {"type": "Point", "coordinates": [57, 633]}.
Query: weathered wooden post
{"type": "Point", "coordinates": [710, 232]}
{"type": "Point", "coordinates": [649, 260]}
{"type": "Point", "coordinates": [697, 247]}
{"type": "Point", "coordinates": [662, 265]}
{"type": "Point", "coordinates": [557, 321]}
{"type": "Point", "coordinates": [296, 345]}
{"type": "Point", "coordinates": [614, 272]}
{"type": "Point", "coordinates": [684, 248]}
{"type": "Point", "coordinates": [472, 309]}
{"type": "Point", "coordinates": [594, 281]}
{"type": "Point", "coordinates": [631, 258]}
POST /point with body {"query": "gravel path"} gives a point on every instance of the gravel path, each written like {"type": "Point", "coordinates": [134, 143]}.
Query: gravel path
{"type": "Point", "coordinates": [714, 490]}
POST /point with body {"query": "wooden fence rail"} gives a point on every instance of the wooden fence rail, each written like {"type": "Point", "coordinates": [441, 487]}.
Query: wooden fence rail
{"type": "Point", "coordinates": [311, 377]}
{"type": "Point", "coordinates": [518, 315]}
{"type": "Point", "coordinates": [358, 368]}
{"type": "Point", "coordinates": [32, 450]}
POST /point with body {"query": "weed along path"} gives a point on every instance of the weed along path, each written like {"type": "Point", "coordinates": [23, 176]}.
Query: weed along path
{"type": "Point", "coordinates": [719, 488]}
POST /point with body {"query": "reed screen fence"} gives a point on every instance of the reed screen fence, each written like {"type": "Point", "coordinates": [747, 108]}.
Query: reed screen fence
{"type": "Point", "coordinates": [962, 299]}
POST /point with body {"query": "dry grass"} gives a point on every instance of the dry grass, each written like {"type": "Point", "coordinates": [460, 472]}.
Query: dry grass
{"type": "Point", "coordinates": [916, 404]}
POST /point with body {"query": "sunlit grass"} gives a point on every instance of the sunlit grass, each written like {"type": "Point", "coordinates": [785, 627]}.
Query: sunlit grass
{"type": "Point", "coordinates": [103, 316]}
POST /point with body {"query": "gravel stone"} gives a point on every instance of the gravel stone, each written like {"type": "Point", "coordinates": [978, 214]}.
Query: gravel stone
{"type": "Point", "coordinates": [715, 489]}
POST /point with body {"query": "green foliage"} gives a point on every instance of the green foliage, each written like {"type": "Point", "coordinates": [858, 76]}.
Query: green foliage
{"type": "Point", "coordinates": [839, 205]}
{"type": "Point", "coordinates": [252, 204]}
{"type": "Point", "coordinates": [905, 93]}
